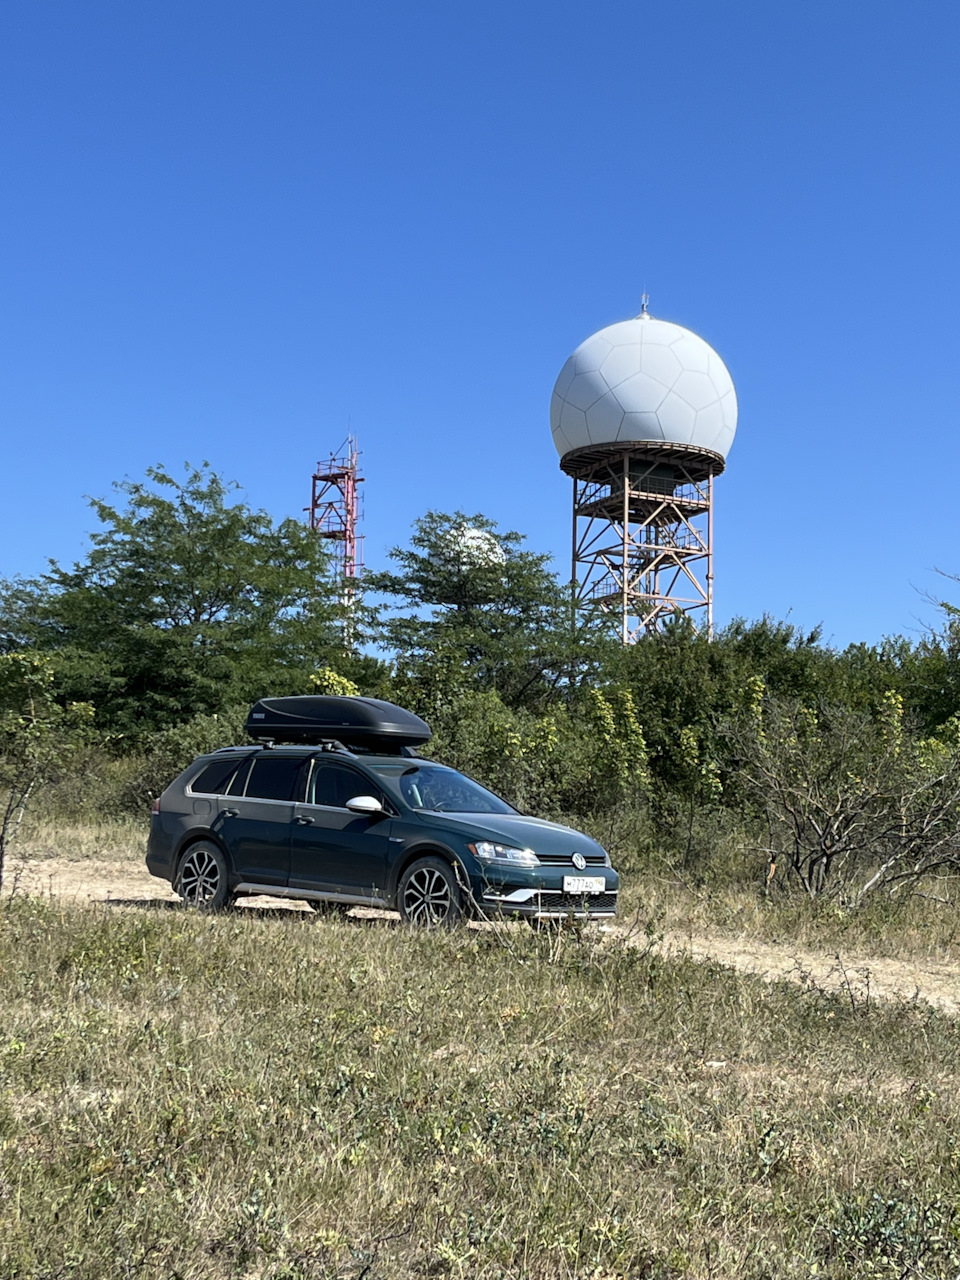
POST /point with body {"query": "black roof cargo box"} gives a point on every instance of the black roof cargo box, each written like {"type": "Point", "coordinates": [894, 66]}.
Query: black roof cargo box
{"type": "Point", "coordinates": [355, 722]}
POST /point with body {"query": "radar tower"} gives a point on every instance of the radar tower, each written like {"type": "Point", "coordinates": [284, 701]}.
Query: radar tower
{"type": "Point", "coordinates": [643, 415]}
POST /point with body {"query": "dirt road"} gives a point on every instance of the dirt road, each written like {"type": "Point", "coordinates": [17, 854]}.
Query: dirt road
{"type": "Point", "coordinates": [859, 977]}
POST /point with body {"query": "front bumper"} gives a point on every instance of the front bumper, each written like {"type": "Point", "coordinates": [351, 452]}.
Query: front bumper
{"type": "Point", "coordinates": [549, 904]}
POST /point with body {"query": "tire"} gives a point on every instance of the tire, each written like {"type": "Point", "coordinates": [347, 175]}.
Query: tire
{"type": "Point", "coordinates": [429, 896]}
{"type": "Point", "coordinates": [202, 877]}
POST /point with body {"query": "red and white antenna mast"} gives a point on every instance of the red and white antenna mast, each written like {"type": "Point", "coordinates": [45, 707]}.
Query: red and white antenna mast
{"type": "Point", "coordinates": [335, 507]}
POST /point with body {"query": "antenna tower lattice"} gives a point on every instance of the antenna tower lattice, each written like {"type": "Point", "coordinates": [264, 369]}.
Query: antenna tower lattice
{"type": "Point", "coordinates": [334, 509]}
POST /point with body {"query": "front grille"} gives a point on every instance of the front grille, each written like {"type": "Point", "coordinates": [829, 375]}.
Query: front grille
{"type": "Point", "coordinates": [592, 903]}
{"type": "Point", "coordinates": [566, 859]}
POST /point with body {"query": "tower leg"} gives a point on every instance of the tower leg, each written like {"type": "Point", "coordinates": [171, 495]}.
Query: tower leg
{"type": "Point", "coordinates": [643, 534]}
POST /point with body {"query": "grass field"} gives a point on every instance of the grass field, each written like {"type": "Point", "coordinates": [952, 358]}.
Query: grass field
{"type": "Point", "coordinates": [267, 1094]}
{"type": "Point", "coordinates": [924, 927]}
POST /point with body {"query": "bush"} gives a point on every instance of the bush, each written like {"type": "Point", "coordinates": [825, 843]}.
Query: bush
{"type": "Point", "coordinates": [99, 781]}
{"type": "Point", "coordinates": [851, 804]}
{"type": "Point", "coordinates": [583, 760]}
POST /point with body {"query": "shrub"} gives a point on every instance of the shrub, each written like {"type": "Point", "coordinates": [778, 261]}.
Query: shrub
{"type": "Point", "coordinates": [851, 804]}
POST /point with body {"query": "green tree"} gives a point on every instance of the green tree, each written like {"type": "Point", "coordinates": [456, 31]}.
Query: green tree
{"type": "Point", "coordinates": [929, 672]}
{"type": "Point", "coordinates": [580, 759]}
{"type": "Point", "coordinates": [468, 599]}
{"type": "Point", "coordinates": [186, 603]}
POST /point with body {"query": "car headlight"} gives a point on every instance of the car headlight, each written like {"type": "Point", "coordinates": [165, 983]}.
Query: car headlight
{"type": "Point", "coordinates": [487, 851]}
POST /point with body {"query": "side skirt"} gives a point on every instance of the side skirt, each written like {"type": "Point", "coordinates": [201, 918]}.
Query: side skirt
{"type": "Point", "coordinates": [311, 895]}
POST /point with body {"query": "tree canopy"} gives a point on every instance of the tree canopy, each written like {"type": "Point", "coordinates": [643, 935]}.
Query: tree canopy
{"type": "Point", "coordinates": [186, 600]}
{"type": "Point", "coordinates": [470, 600]}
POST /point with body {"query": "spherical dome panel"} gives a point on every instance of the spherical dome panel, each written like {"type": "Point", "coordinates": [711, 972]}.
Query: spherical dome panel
{"type": "Point", "coordinates": [466, 547]}
{"type": "Point", "coordinates": [644, 379]}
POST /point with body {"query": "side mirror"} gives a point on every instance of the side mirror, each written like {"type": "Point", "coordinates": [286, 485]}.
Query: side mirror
{"type": "Point", "coordinates": [366, 805]}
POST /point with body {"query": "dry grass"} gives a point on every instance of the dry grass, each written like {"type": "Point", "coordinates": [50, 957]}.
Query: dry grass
{"type": "Point", "coordinates": [44, 839]}
{"type": "Point", "coordinates": [923, 927]}
{"type": "Point", "coordinates": [259, 1094]}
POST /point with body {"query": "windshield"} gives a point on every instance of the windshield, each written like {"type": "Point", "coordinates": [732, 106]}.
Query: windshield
{"type": "Point", "coordinates": [441, 790]}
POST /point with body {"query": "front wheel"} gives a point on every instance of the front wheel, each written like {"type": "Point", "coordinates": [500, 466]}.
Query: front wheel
{"type": "Point", "coordinates": [202, 878]}
{"type": "Point", "coordinates": [429, 895]}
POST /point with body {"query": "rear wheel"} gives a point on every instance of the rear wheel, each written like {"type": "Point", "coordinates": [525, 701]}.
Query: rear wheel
{"type": "Point", "coordinates": [429, 895]}
{"type": "Point", "coordinates": [202, 878]}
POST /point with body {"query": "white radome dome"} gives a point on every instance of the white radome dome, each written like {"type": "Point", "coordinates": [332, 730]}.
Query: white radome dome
{"type": "Point", "coordinates": [644, 380]}
{"type": "Point", "coordinates": [467, 547]}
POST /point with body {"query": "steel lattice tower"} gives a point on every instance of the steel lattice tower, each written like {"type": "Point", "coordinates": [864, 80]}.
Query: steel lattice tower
{"type": "Point", "coordinates": [334, 510]}
{"type": "Point", "coordinates": [643, 532]}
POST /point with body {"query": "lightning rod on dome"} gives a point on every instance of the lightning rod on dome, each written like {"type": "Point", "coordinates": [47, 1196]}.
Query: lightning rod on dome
{"type": "Point", "coordinates": [643, 416]}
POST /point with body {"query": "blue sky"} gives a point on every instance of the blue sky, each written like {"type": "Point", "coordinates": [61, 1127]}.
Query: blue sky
{"type": "Point", "coordinates": [234, 230]}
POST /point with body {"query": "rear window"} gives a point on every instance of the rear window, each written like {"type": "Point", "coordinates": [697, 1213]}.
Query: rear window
{"type": "Point", "coordinates": [215, 778]}
{"type": "Point", "coordinates": [274, 777]}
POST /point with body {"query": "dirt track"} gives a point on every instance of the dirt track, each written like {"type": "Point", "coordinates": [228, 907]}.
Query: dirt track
{"type": "Point", "coordinates": [860, 977]}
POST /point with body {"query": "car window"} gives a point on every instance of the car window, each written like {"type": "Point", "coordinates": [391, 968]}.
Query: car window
{"type": "Point", "coordinates": [214, 779]}
{"type": "Point", "coordinates": [333, 783]}
{"type": "Point", "coordinates": [240, 778]}
{"type": "Point", "coordinates": [443, 790]}
{"type": "Point", "coordinates": [274, 777]}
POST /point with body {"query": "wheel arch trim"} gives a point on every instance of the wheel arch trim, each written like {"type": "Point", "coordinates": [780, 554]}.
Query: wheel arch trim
{"type": "Point", "coordinates": [432, 849]}
{"type": "Point", "coordinates": [198, 836]}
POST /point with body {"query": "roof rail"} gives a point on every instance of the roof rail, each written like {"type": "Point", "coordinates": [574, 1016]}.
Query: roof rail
{"type": "Point", "coordinates": [322, 744]}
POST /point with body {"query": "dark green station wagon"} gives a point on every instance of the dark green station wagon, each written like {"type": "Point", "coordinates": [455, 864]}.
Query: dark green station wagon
{"type": "Point", "coordinates": [334, 806]}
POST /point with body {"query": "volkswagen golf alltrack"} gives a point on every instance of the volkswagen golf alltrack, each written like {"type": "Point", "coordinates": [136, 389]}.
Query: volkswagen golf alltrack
{"type": "Point", "coordinates": [365, 822]}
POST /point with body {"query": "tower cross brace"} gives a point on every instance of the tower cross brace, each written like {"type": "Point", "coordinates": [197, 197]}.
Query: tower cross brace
{"type": "Point", "coordinates": [643, 532]}
{"type": "Point", "coordinates": [334, 510]}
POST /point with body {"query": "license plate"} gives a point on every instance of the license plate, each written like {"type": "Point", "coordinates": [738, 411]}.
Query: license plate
{"type": "Point", "coordinates": [583, 884]}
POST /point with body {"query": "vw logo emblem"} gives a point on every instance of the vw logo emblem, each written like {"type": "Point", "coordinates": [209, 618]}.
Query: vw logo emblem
{"type": "Point", "coordinates": [579, 861]}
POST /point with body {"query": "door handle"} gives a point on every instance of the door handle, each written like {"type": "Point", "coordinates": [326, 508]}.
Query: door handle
{"type": "Point", "coordinates": [305, 822]}
{"type": "Point", "coordinates": [231, 813]}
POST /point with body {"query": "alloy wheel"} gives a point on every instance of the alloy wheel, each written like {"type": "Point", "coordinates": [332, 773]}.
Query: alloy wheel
{"type": "Point", "coordinates": [427, 899]}
{"type": "Point", "coordinates": [199, 878]}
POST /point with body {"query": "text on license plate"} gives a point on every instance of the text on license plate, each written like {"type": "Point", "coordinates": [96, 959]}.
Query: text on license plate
{"type": "Point", "coordinates": [583, 884]}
